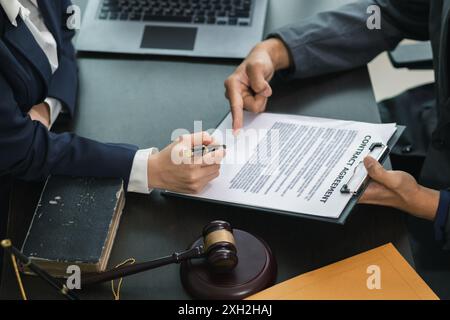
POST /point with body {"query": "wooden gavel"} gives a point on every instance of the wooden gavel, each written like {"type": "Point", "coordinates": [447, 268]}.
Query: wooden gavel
{"type": "Point", "coordinates": [219, 249]}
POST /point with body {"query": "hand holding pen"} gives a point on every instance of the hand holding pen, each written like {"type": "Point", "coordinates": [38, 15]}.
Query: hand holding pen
{"type": "Point", "coordinates": [187, 165]}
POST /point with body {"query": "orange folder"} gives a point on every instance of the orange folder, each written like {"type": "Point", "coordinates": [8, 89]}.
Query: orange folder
{"type": "Point", "coordinates": [378, 274]}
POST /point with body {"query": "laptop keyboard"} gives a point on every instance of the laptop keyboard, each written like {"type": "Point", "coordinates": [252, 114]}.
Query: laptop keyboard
{"type": "Point", "coordinates": [213, 12]}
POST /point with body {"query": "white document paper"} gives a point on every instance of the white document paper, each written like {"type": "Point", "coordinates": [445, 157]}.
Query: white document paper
{"type": "Point", "coordinates": [292, 163]}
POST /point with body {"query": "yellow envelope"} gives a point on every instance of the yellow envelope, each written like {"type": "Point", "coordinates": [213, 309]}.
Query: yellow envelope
{"type": "Point", "coordinates": [378, 274]}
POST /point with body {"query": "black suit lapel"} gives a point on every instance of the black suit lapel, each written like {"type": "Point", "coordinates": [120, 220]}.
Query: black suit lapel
{"type": "Point", "coordinates": [2, 21]}
{"type": "Point", "coordinates": [22, 39]}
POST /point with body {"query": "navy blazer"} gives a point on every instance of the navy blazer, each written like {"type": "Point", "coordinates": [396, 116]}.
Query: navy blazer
{"type": "Point", "coordinates": [28, 150]}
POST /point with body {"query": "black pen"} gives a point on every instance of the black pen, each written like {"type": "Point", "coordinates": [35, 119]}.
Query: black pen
{"type": "Point", "coordinates": [200, 151]}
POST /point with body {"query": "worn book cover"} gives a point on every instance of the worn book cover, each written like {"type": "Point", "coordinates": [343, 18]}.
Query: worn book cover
{"type": "Point", "coordinates": [75, 223]}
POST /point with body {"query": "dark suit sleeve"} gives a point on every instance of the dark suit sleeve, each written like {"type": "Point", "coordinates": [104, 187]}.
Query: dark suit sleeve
{"type": "Point", "coordinates": [447, 233]}
{"type": "Point", "coordinates": [447, 229]}
{"type": "Point", "coordinates": [30, 152]}
{"type": "Point", "coordinates": [340, 39]}
{"type": "Point", "coordinates": [64, 82]}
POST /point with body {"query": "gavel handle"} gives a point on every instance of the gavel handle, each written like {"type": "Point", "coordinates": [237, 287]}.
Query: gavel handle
{"type": "Point", "coordinates": [125, 271]}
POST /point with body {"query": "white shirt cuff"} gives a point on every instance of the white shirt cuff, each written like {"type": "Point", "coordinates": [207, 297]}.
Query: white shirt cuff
{"type": "Point", "coordinates": [139, 176]}
{"type": "Point", "coordinates": [55, 108]}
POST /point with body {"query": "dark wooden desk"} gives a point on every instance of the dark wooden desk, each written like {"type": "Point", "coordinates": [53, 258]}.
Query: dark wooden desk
{"type": "Point", "coordinates": [142, 100]}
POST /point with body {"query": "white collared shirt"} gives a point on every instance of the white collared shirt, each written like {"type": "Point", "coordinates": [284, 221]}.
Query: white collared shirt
{"type": "Point", "coordinates": [29, 12]}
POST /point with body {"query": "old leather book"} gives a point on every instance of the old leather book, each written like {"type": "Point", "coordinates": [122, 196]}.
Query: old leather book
{"type": "Point", "coordinates": [75, 223]}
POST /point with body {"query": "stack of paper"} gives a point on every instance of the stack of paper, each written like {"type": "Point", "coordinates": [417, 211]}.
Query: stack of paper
{"type": "Point", "coordinates": [293, 164]}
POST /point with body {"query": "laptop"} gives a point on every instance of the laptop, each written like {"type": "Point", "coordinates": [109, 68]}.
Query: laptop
{"type": "Point", "coordinates": [197, 28]}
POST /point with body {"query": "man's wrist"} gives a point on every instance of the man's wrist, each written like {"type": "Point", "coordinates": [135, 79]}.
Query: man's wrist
{"type": "Point", "coordinates": [278, 52]}
{"type": "Point", "coordinates": [426, 203]}
{"type": "Point", "coordinates": [153, 172]}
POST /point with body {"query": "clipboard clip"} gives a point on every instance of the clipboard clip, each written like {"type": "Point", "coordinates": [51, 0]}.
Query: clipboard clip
{"type": "Point", "coordinates": [383, 152]}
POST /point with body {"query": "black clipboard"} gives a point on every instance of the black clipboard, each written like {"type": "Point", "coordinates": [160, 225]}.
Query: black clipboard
{"type": "Point", "coordinates": [340, 220]}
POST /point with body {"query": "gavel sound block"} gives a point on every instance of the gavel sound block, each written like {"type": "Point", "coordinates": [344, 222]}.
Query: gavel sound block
{"type": "Point", "coordinates": [256, 270]}
{"type": "Point", "coordinates": [224, 264]}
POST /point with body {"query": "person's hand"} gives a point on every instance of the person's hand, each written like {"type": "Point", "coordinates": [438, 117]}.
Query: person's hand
{"type": "Point", "coordinates": [174, 169]}
{"type": "Point", "coordinates": [248, 87]}
{"type": "Point", "coordinates": [41, 113]}
{"type": "Point", "coordinates": [399, 190]}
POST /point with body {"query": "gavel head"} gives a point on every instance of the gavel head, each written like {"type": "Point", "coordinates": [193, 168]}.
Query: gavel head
{"type": "Point", "coordinates": [219, 246]}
